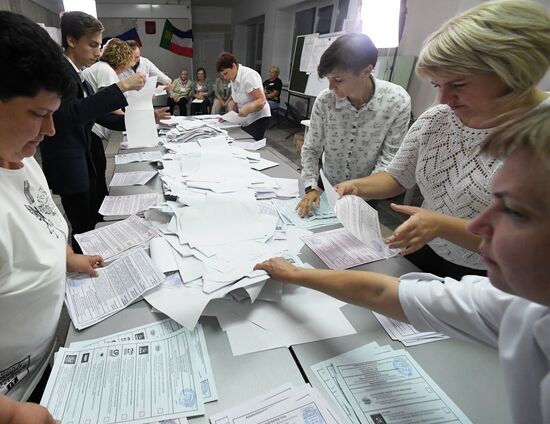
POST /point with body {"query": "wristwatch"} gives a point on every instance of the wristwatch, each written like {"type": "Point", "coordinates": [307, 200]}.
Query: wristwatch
{"type": "Point", "coordinates": [310, 188]}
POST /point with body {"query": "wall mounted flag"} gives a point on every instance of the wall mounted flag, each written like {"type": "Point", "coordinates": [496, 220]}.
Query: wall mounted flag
{"type": "Point", "coordinates": [131, 34]}
{"type": "Point", "coordinates": [177, 41]}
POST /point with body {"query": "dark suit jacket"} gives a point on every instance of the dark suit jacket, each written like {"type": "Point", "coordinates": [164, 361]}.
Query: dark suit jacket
{"type": "Point", "coordinates": [66, 157]}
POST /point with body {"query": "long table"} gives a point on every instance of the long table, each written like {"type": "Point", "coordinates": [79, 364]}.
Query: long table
{"type": "Point", "coordinates": [468, 373]}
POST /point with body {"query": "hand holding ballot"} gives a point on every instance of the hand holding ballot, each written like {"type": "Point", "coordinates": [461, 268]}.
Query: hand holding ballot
{"type": "Point", "coordinates": [133, 82]}
{"type": "Point", "coordinates": [83, 263]}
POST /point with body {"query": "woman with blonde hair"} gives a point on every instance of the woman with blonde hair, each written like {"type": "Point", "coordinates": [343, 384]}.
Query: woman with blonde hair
{"type": "Point", "coordinates": [486, 64]}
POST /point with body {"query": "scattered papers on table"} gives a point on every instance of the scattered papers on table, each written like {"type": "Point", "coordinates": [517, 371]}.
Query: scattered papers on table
{"type": "Point", "coordinates": [161, 329]}
{"type": "Point", "coordinates": [126, 381]}
{"type": "Point", "coordinates": [250, 145]}
{"type": "Point", "coordinates": [358, 242]}
{"type": "Point", "coordinates": [123, 206]}
{"type": "Point", "coordinates": [139, 116]}
{"type": "Point", "coordinates": [131, 178]}
{"type": "Point", "coordinates": [406, 333]}
{"type": "Point", "coordinates": [152, 156]}
{"type": "Point", "coordinates": [376, 384]}
{"type": "Point", "coordinates": [90, 300]}
{"type": "Point", "coordinates": [319, 217]}
{"type": "Point", "coordinates": [113, 240]}
{"type": "Point", "coordinates": [286, 404]}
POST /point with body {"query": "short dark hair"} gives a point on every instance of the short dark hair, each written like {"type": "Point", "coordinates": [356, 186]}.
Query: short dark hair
{"type": "Point", "coordinates": [32, 60]}
{"type": "Point", "coordinates": [349, 52]}
{"type": "Point", "coordinates": [133, 44]}
{"type": "Point", "coordinates": [225, 61]}
{"type": "Point", "coordinates": [77, 24]}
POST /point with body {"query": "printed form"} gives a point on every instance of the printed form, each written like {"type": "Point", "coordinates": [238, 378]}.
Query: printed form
{"type": "Point", "coordinates": [90, 300]}
{"type": "Point", "coordinates": [136, 381]}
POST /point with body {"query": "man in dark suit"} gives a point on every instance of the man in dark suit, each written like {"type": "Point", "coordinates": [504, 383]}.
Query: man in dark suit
{"type": "Point", "coordinates": [70, 159]}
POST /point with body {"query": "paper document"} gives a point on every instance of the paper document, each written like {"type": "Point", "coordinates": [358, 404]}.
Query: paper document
{"type": "Point", "coordinates": [376, 384]}
{"type": "Point", "coordinates": [128, 205]}
{"type": "Point", "coordinates": [406, 333]}
{"type": "Point", "coordinates": [197, 101]}
{"type": "Point", "coordinates": [131, 178]}
{"type": "Point", "coordinates": [135, 381]}
{"type": "Point", "coordinates": [139, 116]}
{"type": "Point", "coordinates": [162, 329]}
{"type": "Point", "coordinates": [359, 242]}
{"type": "Point", "coordinates": [90, 300]}
{"type": "Point", "coordinates": [234, 118]}
{"type": "Point", "coordinates": [152, 156]}
{"type": "Point", "coordinates": [250, 145]}
{"type": "Point", "coordinates": [112, 240]}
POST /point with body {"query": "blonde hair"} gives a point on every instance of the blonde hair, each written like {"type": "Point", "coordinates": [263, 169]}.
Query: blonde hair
{"type": "Point", "coordinates": [117, 54]}
{"type": "Point", "coordinates": [276, 69]}
{"type": "Point", "coordinates": [510, 38]}
{"type": "Point", "coordinates": [529, 131]}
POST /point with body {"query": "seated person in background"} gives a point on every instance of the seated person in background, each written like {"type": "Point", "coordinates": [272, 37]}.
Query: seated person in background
{"type": "Point", "coordinates": [115, 58]}
{"type": "Point", "coordinates": [510, 310]}
{"type": "Point", "coordinates": [202, 90]}
{"type": "Point", "coordinates": [222, 96]}
{"type": "Point", "coordinates": [34, 255]}
{"type": "Point", "coordinates": [273, 87]}
{"type": "Point", "coordinates": [358, 122]}
{"type": "Point", "coordinates": [247, 93]}
{"type": "Point", "coordinates": [180, 93]}
{"type": "Point", "coordinates": [480, 85]}
{"type": "Point", "coordinates": [145, 66]}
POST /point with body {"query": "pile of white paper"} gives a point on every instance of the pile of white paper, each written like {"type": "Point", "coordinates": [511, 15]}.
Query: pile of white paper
{"type": "Point", "coordinates": [286, 404]}
{"type": "Point", "coordinates": [406, 333]}
{"type": "Point", "coordinates": [150, 373]}
{"type": "Point", "coordinates": [376, 384]}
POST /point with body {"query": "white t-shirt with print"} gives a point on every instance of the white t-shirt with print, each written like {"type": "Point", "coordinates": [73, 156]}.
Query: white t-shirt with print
{"type": "Point", "coordinates": [33, 239]}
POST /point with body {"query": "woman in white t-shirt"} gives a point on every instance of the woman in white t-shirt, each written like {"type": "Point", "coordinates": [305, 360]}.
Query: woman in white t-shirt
{"type": "Point", "coordinates": [247, 92]}
{"type": "Point", "coordinates": [480, 85]}
{"type": "Point", "coordinates": [34, 255]}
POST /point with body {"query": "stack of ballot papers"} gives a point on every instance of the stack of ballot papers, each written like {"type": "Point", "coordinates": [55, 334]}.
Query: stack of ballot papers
{"type": "Point", "coordinates": [114, 240]}
{"type": "Point", "coordinates": [286, 404]}
{"type": "Point", "coordinates": [147, 374]}
{"type": "Point", "coordinates": [359, 241]}
{"type": "Point", "coordinates": [90, 300]}
{"type": "Point", "coordinates": [152, 156]}
{"type": "Point", "coordinates": [319, 217]}
{"type": "Point", "coordinates": [121, 179]}
{"type": "Point", "coordinates": [375, 384]}
{"type": "Point", "coordinates": [119, 207]}
{"type": "Point", "coordinates": [406, 333]}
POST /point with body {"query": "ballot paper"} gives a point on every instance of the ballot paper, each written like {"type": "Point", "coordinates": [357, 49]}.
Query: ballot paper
{"type": "Point", "coordinates": [197, 101]}
{"type": "Point", "coordinates": [250, 144]}
{"type": "Point", "coordinates": [123, 206]}
{"type": "Point", "coordinates": [90, 300]}
{"type": "Point", "coordinates": [161, 329]}
{"type": "Point", "coordinates": [135, 381]}
{"type": "Point", "coordinates": [234, 118]}
{"type": "Point", "coordinates": [139, 116]}
{"type": "Point", "coordinates": [406, 333]}
{"type": "Point", "coordinates": [113, 240]}
{"type": "Point", "coordinates": [131, 178]}
{"type": "Point", "coordinates": [376, 384]}
{"type": "Point", "coordinates": [152, 156]}
{"type": "Point", "coordinates": [357, 243]}
{"type": "Point", "coordinates": [300, 405]}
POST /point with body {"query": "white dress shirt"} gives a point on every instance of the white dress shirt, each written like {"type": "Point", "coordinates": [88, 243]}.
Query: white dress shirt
{"type": "Point", "coordinates": [149, 69]}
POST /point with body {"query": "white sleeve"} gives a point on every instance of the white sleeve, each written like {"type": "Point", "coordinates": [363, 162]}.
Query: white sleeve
{"type": "Point", "coordinates": [470, 309]}
{"type": "Point", "coordinates": [106, 77]}
{"type": "Point", "coordinates": [154, 71]}
{"type": "Point", "coordinates": [314, 142]}
{"type": "Point", "coordinates": [252, 82]}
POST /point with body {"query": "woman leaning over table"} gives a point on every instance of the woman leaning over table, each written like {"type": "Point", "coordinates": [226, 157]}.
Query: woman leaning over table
{"type": "Point", "coordinates": [34, 255]}
{"type": "Point", "coordinates": [247, 91]}
{"type": "Point", "coordinates": [485, 64]}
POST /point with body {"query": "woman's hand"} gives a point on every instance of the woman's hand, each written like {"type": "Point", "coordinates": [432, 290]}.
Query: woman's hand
{"type": "Point", "coordinates": [278, 268]}
{"type": "Point", "coordinates": [311, 198]}
{"type": "Point", "coordinates": [162, 113]}
{"type": "Point", "coordinates": [422, 227]}
{"type": "Point", "coordinates": [346, 187]}
{"type": "Point", "coordinates": [84, 263]}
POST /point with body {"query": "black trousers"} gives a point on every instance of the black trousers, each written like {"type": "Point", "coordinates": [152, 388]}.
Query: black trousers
{"type": "Point", "coordinates": [182, 104]}
{"type": "Point", "coordinates": [257, 128]}
{"type": "Point", "coordinates": [82, 209]}
{"type": "Point", "coordinates": [429, 261]}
